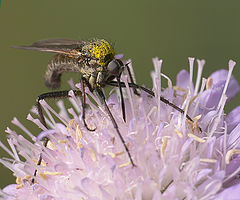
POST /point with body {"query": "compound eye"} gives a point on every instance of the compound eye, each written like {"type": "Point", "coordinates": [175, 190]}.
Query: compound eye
{"type": "Point", "coordinates": [115, 67]}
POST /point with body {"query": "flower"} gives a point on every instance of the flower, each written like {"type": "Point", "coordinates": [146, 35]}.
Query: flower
{"type": "Point", "coordinates": [175, 158]}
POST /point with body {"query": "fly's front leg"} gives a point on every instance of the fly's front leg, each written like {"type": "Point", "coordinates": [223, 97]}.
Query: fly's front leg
{"type": "Point", "coordinates": [133, 85]}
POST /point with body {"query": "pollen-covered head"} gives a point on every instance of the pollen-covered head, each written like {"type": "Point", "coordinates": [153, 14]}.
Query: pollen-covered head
{"type": "Point", "coordinates": [101, 50]}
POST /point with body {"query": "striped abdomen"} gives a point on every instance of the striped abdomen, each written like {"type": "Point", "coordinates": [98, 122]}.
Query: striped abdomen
{"type": "Point", "coordinates": [59, 64]}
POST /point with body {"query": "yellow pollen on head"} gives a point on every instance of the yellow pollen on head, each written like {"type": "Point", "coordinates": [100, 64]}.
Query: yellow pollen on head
{"type": "Point", "coordinates": [229, 155]}
{"type": "Point", "coordinates": [179, 133]}
{"type": "Point", "coordinates": [198, 139]}
{"type": "Point", "coordinates": [100, 49]}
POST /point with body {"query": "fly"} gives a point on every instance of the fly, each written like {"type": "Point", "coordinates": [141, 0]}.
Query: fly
{"type": "Point", "coordinates": [95, 61]}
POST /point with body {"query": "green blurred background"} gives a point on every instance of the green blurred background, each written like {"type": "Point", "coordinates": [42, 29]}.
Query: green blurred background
{"type": "Point", "coordinates": [172, 30]}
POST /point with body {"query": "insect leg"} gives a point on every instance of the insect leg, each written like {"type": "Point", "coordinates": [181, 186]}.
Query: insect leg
{"type": "Point", "coordinates": [122, 99]}
{"type": "Point", "coordinates": [84, 106]}
{"type": "Point", "coordinates": [101, 95]}
{"type": "Point", "coordinates": [49, 95]}
{"type": "Point", "coordinates": [133, 85]}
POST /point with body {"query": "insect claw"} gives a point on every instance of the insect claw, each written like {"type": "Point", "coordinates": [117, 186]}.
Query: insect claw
{"type": "Point", "coordinates": [89, 129]}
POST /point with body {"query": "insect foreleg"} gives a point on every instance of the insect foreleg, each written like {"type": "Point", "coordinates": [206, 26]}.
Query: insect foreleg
{"type": "Point", "coordinates": [122, 99]}
{"type": "Point", "coordinates": [133, 85]}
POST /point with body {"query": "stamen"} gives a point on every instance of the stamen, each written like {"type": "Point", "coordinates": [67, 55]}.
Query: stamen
{"type": "Point", "coordinates": [18, 180]}
{"type": "Point", "coordinates": [93, 155]}
{"type": "Point", "coordinates": [170, 85]}
{"type": "Point", "coordinates": [52, 173]}
{"type": "Point", "coordinates": [79, 145]}
{"type": "Point", "coordinates": [42, 175]}
{"type": "Point", "coordinates": [186, 106]}
{"type": "Point", "coordinates": [51, 145]}
{"type": "Point", "coordinates": [124, 78]}
{"type": "Point", "coordinates": [79, 132]}
{"type": "Point", "coordinates": [192, 100]}
{"type": "Point", "coordinates": [229, 155]}
{"type": "Point", "coordinates": [113, 155]}
{"type": "Point", "coordinates": [19, 186]}
{"type": "Point", "coordinates": [48, 108]}
{"type": "Point", "coordinates": [164, 145]}
{"type": "Point", "coordinates": [231, 65]}
{"type": "Point", "coordinates": [120, 153]}
{"type": "Point", "coordinates": [6, 149]}
{"type": "Point", "coordinates": [157, 80]}
{"type": "Point", "coordinates": [209, 83]}
{"type": "Point", "coordinates": [37, 122]}
{"type": "Point", "coordinates": [179, 133]}
{"type": "Point", "coordinates": [217, 120]}
{"type": "Point", "coordinates": [199, 96]}
{"type": "Point", "coordinates": [180, 89]}
{"type": "Point", "coordinates": [47, 173]}
{"type": "Point", "coordinates": [129, 62]}
{"type": "Point", "coordinates": [191, 63]}
{"type": "Point", "coordinates": [199, 75]}
{"type": "Point", "coordinates": [208, 160]}
{"type": "Point", "coordinates": [124, 164]}
{"type": "Point", "coordinates": [27, 177]}
{"type": "Point", "coordinates": [198, 139]}
{"type": "Point", "coordinates": [62, 141]}
{"type": "Point", "coordinates": [17, 123]}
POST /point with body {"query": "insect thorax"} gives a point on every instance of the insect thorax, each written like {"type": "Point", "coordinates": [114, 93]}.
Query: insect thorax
{"type": "Point", "coordinates": [101, 50]}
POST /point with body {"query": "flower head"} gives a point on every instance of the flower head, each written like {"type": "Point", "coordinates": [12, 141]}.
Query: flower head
{"type": "Point", "coordinates": [175, 158]}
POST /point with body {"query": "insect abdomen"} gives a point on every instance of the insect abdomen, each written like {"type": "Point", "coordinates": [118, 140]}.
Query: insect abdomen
{"type": "Point", "coordinates": [59, 64]}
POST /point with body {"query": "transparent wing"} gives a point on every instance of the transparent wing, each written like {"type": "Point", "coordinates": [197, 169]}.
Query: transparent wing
{"type": "Point", "coordinates": [61, 46]}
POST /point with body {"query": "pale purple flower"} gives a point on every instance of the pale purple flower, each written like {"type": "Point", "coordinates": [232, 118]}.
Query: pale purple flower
{"type": "Point", "coordinates": [174, 159]}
